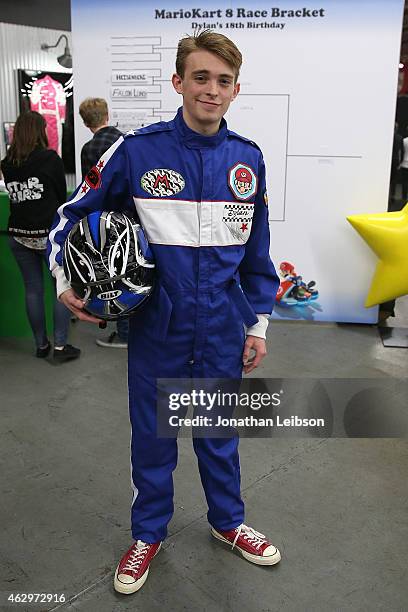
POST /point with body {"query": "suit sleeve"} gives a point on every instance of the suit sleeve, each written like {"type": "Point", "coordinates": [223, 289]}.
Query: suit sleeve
{"type": "Point", "coordinates": [110, 191]}
{"type": "Point", "coordinates": [259, 280]}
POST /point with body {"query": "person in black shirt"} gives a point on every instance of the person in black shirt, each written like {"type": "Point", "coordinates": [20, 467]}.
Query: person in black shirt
{"type": "Point", "coordinates": [35, 179]}
{"type": "Point", "coordinates": [94, 113]}
{"type": "Point", "coordinates": [397, 157]}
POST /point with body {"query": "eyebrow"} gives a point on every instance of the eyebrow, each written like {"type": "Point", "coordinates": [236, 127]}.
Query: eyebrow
{"type": "Point", "coordinates": [229, 76]}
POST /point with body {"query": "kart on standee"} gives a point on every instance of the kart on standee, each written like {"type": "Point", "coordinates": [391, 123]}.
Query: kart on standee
{"type": "Point", "coordinates": [293, 291]}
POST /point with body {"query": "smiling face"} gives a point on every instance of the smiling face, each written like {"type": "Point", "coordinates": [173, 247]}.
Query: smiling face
{"type": "Point", "coordinates": [208, 88]}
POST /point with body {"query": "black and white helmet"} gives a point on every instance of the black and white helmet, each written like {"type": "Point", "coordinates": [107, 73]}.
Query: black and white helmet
{"type": "Point", "coordinates": [109, 264]}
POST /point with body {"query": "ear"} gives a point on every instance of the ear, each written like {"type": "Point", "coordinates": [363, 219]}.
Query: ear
{"type": "Point", "coordinates": [177, 83]}
{"type": "Point", "coordinates": [237, 89]}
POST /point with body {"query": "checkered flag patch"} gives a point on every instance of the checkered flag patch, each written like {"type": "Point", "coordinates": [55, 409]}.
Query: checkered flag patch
{"type": "Point", "coordinates": [238, 219]}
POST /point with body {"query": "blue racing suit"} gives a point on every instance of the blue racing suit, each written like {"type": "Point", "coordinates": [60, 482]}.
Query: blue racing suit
{"type": "Point", "coordinates": [202, 202]}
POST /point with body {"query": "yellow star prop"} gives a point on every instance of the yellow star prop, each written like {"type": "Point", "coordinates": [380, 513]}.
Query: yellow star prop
{"type": "Point", "coordinates": [387, 235]}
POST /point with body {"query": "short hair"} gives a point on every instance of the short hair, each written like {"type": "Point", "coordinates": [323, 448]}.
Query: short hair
{"type": "Point", "coordinates": [93, 111]}
{"type": "Point", "coordinates": [210, 41]}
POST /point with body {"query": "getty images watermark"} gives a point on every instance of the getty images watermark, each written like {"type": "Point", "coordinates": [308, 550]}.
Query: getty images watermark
{"type": "Point", "coordinates": [282, 407]}
{"type": "Point", "coordinates": [218, 401]}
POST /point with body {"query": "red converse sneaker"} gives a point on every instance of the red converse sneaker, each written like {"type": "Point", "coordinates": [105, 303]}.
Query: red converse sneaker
{"type": "Point", "coordinates": [251, 544]}
{"type": "Point", "coordinates": [133, 568]}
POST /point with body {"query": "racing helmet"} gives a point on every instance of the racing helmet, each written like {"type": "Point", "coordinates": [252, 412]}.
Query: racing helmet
{"type": "Point", "coordinates": [109, 264]}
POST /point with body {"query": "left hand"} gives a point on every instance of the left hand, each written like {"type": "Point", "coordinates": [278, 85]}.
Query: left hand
{"type": "Point", "coordinates": [259, 346]}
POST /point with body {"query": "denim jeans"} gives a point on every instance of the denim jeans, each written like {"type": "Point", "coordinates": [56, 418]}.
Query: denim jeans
{"type": "Point", "coordinates": [122, 327]}
{"type": "Point", "coordinates": [30, 262]}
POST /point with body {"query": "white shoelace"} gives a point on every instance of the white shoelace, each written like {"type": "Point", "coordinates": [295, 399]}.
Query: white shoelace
{"type": "Point", "coordinates": [136, 557]}
{"type": "Point", "coordinates": [249, 534]}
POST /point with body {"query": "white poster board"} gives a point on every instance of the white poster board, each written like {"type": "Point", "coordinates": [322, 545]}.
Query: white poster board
{"type": "Point", "coordinates": [318, 94]}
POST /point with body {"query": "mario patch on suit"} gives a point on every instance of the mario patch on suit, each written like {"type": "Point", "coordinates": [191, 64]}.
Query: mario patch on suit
{"type": "Point", "coordinates": [242, 181]}
{"type": "Point", "coordinates": [93, 178]}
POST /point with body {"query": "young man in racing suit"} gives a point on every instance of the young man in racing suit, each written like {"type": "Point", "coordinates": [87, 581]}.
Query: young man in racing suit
{"type": "Point", "coordinates": [199, 191]}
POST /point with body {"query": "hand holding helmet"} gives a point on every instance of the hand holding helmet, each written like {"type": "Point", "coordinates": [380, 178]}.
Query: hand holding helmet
{"type": "Point", "coordinates": [109, 265]}
{"type": "Point", "coordinates": [76, 306]}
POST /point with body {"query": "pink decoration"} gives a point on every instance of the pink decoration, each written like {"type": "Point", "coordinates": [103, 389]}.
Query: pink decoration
{"type": "Point", "coordinates": [48, 98]}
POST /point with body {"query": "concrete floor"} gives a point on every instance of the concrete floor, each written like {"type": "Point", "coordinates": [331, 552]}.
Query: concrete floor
{"type": "Point", "coordinates": [336, 508]}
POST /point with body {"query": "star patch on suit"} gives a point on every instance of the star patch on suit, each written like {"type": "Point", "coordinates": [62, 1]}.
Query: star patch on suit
{"type": "Point", "coordinates": [238, 219]}
{"type": "Point", "coordinates": [93, 178]}
{"type": "Point", "coordinates": [242, 181]}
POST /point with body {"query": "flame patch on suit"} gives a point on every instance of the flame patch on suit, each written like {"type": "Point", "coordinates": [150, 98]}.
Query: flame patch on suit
{"type": "Point", "coordinates": [162, 182]}
{"type": "Point", "coordinates": [242, 181]}
{"type": "Point", "coordinates": [93, 178]}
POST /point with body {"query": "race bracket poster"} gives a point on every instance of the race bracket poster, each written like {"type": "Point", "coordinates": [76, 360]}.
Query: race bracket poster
{"type": "Point", "coordinates": [318, 94]}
